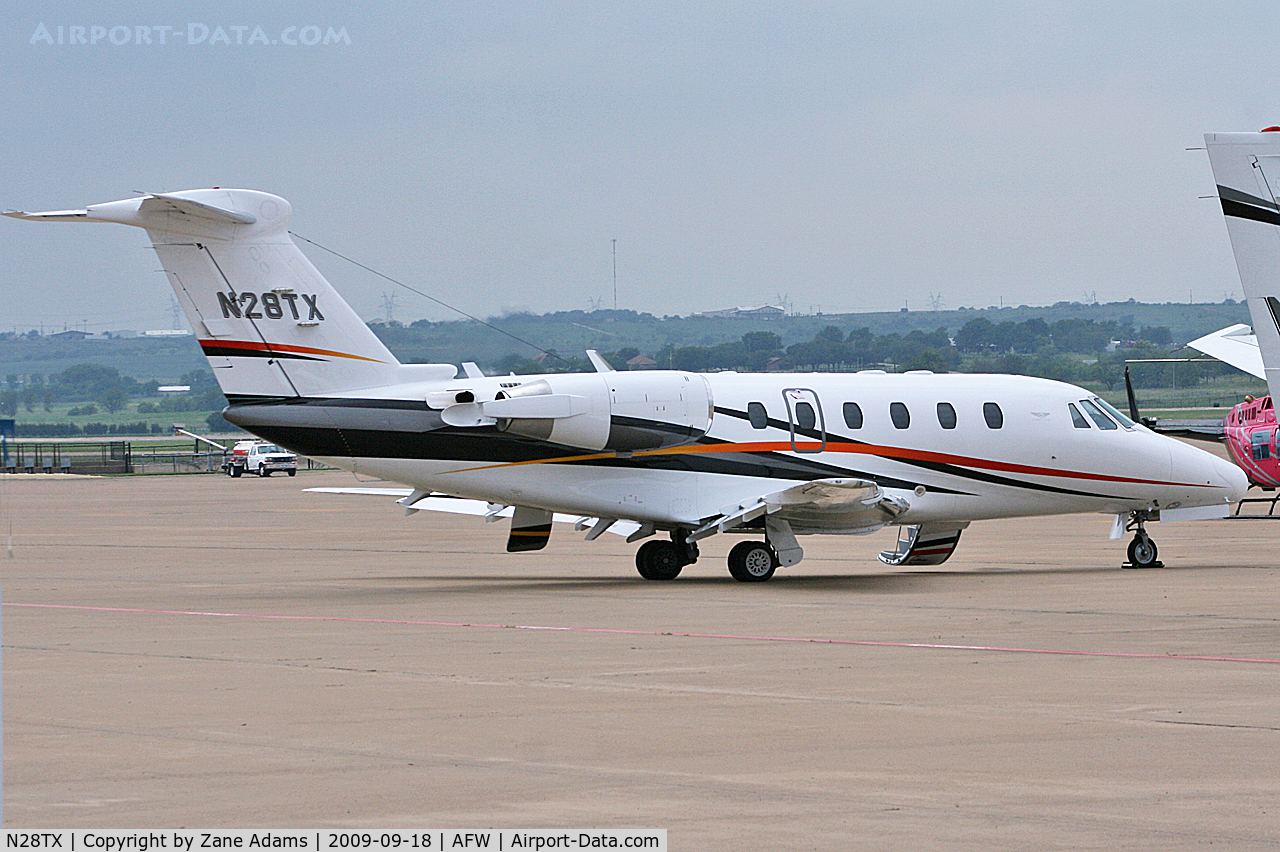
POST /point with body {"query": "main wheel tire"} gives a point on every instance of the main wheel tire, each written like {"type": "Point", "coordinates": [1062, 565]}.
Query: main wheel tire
{"type": "Point", "coordinates": [1142, 552]}
{"type": "Point", "coordinates": [752, 561]}
{"type": "Point", "coordinates": [659, 560]}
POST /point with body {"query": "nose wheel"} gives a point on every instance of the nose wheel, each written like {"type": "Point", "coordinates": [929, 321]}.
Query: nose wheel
{"type": "Point", "coordinates": [1143, 552]}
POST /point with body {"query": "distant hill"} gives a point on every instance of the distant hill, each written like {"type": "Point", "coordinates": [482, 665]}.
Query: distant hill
{"type": "Point", "coordinates": [569, 333]}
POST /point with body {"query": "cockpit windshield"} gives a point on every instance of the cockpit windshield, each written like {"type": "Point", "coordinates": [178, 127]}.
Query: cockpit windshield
{"type": "Point", "coordinates": [1114, 412]}
{"type": "Point", "coordinates": [1095, 413]}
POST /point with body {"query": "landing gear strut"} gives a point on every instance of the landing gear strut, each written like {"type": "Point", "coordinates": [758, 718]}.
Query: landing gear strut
{"type": "Point", "coordinates": [663, 560]}
{"type": "Point", "coordinates": [1142, 550]}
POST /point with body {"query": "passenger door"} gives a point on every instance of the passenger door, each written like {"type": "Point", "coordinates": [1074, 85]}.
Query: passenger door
{"type": "Point", "coordinates": [804, 415]}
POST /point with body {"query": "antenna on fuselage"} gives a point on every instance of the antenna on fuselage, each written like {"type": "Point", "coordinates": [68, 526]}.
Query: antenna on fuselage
{"type": "Point", "coordinates": [1133, 400]}
{"type": "Point", "coordinates": [1134, 414]}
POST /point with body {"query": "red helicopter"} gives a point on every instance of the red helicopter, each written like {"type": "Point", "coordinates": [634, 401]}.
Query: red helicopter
{"type": "Point", "coordinates": [1249, 430]}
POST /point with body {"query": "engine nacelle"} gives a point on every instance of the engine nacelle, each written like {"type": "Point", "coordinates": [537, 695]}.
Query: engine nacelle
{"type": "Point", "coordinates": [617, 411]}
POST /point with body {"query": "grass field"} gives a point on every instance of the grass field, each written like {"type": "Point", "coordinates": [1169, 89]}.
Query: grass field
{"type": "Point", "coordinates": [60, 413]}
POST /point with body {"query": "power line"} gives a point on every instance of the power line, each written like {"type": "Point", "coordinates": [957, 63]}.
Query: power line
{"type": "Point", "coordinates": [431, 298]}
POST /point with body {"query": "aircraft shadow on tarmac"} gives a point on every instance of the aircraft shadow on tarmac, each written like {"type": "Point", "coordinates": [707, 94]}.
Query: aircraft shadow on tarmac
{"type": "Point", "coordinates": [861, 583]}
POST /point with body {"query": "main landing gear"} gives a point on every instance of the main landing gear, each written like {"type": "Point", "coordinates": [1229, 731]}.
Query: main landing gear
{"type": "Point", "coordinates": [752, 561]}
{"type": "Point", "coordinates": [663, 560]}
{"type": "Point", "coordinates": [749, 561]}
{"type": "Point", "coordinates": [1142, 550]}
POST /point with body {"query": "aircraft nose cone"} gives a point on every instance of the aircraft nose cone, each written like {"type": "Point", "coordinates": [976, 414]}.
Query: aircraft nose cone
{"type": "Point", "coordinates": [1232, 478]}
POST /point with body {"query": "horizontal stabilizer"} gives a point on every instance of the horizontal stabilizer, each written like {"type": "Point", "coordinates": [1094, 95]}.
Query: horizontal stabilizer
{"type": "Point", "coordinates": [199, 209]}
{"type": "Point", "coordinates": [1236, 345]}
{"type": "Point", "coordinates": [144, 211]}
{"type": "Point", "coordinates": [51, 215]}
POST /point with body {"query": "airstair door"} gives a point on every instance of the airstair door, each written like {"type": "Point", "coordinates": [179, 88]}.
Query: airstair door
{"type": "Point", "coordinates": [804, 414]}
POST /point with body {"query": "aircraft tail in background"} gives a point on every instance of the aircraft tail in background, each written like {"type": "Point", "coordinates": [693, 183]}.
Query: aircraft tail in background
{"type": "Point", "coordinates": [1246, 167]}
{"type": "Point", "coordinates": [267, 320]}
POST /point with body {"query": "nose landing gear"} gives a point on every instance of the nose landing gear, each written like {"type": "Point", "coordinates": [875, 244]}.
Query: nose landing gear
{"type": "Point", "coordinates": [1142, 550]}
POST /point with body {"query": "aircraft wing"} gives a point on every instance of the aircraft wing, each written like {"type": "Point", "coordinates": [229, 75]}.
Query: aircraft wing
{"type": "Point", "coordinates": [1236, 345]}
{"type": "Point", "coordinates": [418, 501]}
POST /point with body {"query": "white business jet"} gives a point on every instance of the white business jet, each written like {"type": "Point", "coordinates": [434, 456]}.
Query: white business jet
{"type": "Point", "coordinates": [772, 456]}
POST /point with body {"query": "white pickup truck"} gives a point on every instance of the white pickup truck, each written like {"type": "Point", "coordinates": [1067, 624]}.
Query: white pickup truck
{"type": "Point", "coordinates": [261, 458]}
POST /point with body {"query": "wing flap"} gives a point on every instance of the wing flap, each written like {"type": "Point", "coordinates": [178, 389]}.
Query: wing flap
{"type": "Point", "coordinates": [463, 506]}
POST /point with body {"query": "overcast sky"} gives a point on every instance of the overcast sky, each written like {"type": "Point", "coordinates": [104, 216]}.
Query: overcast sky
{"type": "Point", "coordinates": [851, 157]}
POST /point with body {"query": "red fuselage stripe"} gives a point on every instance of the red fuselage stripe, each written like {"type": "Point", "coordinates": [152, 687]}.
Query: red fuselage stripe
{"type": "Point", "coordinates": [282, 347]}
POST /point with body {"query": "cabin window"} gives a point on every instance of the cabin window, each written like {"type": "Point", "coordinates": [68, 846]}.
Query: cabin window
{"type": "Point", "coordinates": [805, 416]}
{"type": "Point", "coordinates": [1095, 413]}
{"type": "Point", "coordinates": [757, 415]}
{"type": "Point", "coordinates": [1076, 417]}
{"type": "Point", "coordinates": [993, 415]}
{"type": "Point", "coordinates": [853, 415]}
{"type": "Point", "coordinates": [899, 414]}
{"type": "Point", "coordinates": [946, 415]}
{"type": "Point", "coordinates": [1261, 445]}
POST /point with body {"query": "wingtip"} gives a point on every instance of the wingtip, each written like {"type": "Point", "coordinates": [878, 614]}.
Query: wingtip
{"type": "Point", "coordinates": [51, 215]}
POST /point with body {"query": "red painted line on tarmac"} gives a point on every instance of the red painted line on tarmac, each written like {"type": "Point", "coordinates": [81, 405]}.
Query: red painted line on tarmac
{"type": "Point", "coordinates": [865, 643]}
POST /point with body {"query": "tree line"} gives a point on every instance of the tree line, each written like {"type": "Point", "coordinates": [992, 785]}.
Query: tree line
{"type": "Point", "coordinates": [1072, 350]}
{"type": "Point", "coordinates": [99, 387]}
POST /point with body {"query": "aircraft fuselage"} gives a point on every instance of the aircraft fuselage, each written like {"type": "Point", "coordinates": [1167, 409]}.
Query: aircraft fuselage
{"type": "Point", "coordinates": [954, 447]}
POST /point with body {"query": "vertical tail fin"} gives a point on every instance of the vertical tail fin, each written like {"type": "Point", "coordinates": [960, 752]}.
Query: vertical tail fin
{"type": "Point", "coordinates": [1246, 167]}
{"type": "Point", "coordinates": [269, 323]}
